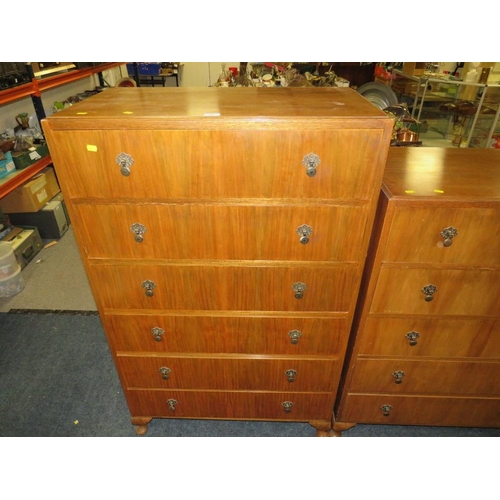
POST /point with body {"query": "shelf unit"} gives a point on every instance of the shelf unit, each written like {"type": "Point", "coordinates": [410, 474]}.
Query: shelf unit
{"type": "Point", "coordinates": [150, 80]}
{"type": "Point", "coordinates": [34, 89]}
{"type": "Point", "coordinates": [465, 113]}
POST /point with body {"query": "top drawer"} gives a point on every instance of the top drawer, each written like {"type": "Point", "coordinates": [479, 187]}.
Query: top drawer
{"type": "Point", "coordinates": [445, 235]}
{"type": "Point", "coordinates": [205, 164]}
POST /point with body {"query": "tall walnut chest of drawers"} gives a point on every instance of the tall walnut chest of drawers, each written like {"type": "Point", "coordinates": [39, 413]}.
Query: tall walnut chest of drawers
{"type": "Point", "coordinates": [224, 233]}
{"type": "Point", "coordinates": [426, 334]}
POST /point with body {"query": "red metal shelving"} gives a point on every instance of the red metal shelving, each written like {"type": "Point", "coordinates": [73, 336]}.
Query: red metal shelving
{"type": "Point", "coordinates": [18, 177]}
{"type": "Point", "coordinates": [35, 88]}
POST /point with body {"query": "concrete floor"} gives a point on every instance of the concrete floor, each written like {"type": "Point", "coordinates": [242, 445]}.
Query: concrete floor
{"type": "Point", "coordinates": [55, 279]}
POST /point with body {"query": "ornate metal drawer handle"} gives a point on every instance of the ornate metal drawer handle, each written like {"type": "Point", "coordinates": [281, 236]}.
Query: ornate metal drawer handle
{"type": "Point", "coordinates": [290, 375]}
{"type": "Point", "coordinates": [157, 332]}
{"type": "Point", "coordinates": [412, 337]}
{"type": "Point", "coordinates": [149, 286]}
{"type": "Point", "coordinates": [138, 230]}
{"type": "Point", "coordinates": [172, 404]}
{"type": "Point", "coordinates": [165, 372]}
{"type": "Point", "coordinates": [429, 291]}
{"type": "Point", "coordinates": [311, 162]}
{"type": "Point", "coordinates": [287, 406]}
{"type": "Point", "coordinates": [299, 289]}
{"type": "Point", "coordinates": [304, 232]}
{"type": "Point", "coordinates": [294, 336]}
{"type": "Point", "coordinates": [398, 375]}
{"type": "Point", "coordinates": [125, 161]}
{"type": "Point", "coordinates": [448, 234]}
{"type": "Point", "coordinates": [386, 409]}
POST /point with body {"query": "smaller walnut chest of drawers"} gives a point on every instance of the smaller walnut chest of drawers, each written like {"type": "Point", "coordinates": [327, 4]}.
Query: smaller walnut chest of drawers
{"type": "Point", "coordinates": [426, 335]}
{"type": "Point", "coordinates": [224, 232]}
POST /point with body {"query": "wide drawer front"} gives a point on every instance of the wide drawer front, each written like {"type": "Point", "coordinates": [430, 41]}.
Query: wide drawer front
{"type": "Point", "coordinates": [439, 337]}
{"type": "Point", "coordinates": [437, 292]}
{"type": "Point", "coordinates": [143, 164]}
{"type": "Point", "coordinates": [224, 287]}
{"type": "Point", "coordinates": [466, 236]}
{"type": "Point", "coordinates": [228, 373]}
{"type": "Point", "coordinates": [426, 377]}
{"type": "Point", "coordinates": [230, 405]}
{"type": "Point", "coordinates": [226, 334]}
{"type": "Point", "coordinates": [412, 410]}
{"type": "Point", "coordinates": [205, 231]}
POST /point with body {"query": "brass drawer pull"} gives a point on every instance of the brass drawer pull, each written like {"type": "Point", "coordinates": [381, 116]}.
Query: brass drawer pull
{"type": "Point", "coordinates": [412, 337]}
{"type": "Point", "coordinates": [172, 404]}
{"type": "Point", "coordinates": [304, 232]}
{"type": "Point", "coordinates": [287, 406]}
{"type": "Point", "coordinates": [138, 230]}
{"type": "Point", "coordinates": [299, 289]}
{"type": "Point", "coordinates": [386, 409]}
{"type": "Point", "coordinates": [311, 162]}
{"type": "Point", "coordinates": [429, 291]}
{"type": "Point", "coordinates": [165, 372]}
{"type": "Point", "coordinates": [398, 375]}
{"type": "Point", "coordinates": [290, 375]}
{"type": "Point", "coordinates": [125, 161]}
{"type": "Point", "coordinates": [294, 336]}
{"type": "Point", "coordinates": [149, 286]}
{"type": "Point", "coordinates": [448, 234]}
{"type": "Point", "coordinates": [157, 332]}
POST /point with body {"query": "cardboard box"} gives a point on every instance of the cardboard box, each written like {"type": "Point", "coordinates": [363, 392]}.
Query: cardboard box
{"type": "Point", "coordinates": [414, 68]}
{"type": "Point", "coordinates": [27, 158]}
{"type": "Point", "coordinates": [32, 195]}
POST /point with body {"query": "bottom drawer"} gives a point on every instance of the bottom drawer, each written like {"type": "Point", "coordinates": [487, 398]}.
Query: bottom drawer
{"type": "Point", "coordinates": [411, 410]}
{"type": "Point", "coordinates": [229, 405]}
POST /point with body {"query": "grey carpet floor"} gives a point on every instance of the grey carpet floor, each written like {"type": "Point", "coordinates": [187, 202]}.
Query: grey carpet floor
{"type": "Point", "coordinates": [57, 378]}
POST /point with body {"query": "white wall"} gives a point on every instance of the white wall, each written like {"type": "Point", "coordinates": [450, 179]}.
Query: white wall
{"type": "Point", "coordinates": [202, 74]}
{"type": "Point", "coordinates": [199, 74]}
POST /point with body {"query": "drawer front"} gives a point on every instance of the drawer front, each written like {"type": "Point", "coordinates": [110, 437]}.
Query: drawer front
{"type": "Point", "coordinates": [459, 292]}
{"type": "Point", "coordinates": [218, 164]}
{"type": "Point", "coordinates": [226, 334]}
{"type": "Point", "coordinates": [228, 373]}
{"type": "Point", "coordinates": [230, 405]}
{"type": "Point", "coordinates": [417, 410]}
{"type": "Point", "coordinates": [224, 287]}
{"type": "Point", "coordinates": [415, 236]}
{"type": "Point", "coordinates": [438, 337]}
{"type": "Point", "coordinates": [190, 231]}
{"type": "Point", "coordinates": [426, 377]}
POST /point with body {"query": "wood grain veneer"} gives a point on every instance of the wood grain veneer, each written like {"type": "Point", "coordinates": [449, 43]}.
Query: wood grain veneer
{"type": "Point", "coordinates": [218, 179]}
{"type": "Point", "coordinates": [436, 362]}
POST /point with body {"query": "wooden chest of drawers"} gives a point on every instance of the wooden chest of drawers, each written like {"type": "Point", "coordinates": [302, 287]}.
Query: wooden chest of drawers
{"type": "Point", "coordinates": [426, 334]}
{"type": "Point", "coordinates": [224, 234]}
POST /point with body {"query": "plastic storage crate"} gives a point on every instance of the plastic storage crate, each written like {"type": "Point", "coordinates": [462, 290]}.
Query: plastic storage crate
{"type": "Point", "coordinates": [144, 68]}
{"type": "Point", "coordinates": [7, 166]}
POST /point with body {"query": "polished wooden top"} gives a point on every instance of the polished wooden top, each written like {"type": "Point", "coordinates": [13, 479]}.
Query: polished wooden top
{"type": "Point", "coordinates": [214, 105]}
{"type": "Point", "coordinates": [464, 173]}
